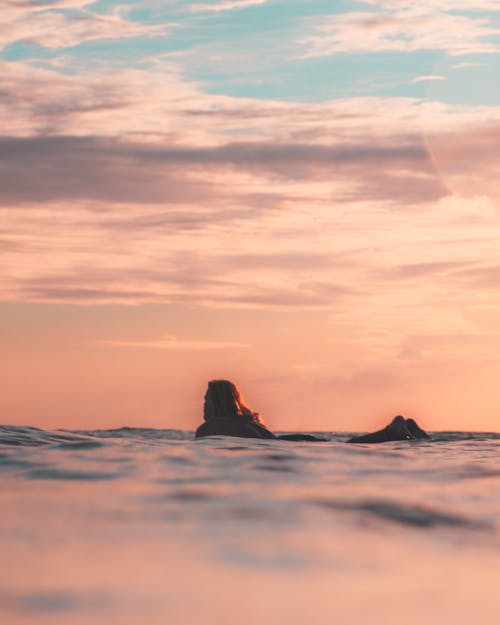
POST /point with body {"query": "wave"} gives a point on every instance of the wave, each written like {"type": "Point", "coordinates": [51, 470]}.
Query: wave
{"type": "Point", "coordinates": [80, 439]}
{"type": "Point", "coordinates": [87, 439]}
{"type": "Point", "coordinates": [405, 514]}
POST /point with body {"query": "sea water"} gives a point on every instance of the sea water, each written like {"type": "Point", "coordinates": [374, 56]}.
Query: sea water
{"type": "Point", "coordinates": [136, 526]}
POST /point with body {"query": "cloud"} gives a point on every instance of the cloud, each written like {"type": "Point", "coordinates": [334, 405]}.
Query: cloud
{"type": "Point", "coordinates": [424, 270]}
{"type": "Point", "coordinates": [429, 78]}
{"type": "Point", "coordinates": [402, 27]}
{"type": "Point", "coordinates": [485, 277]}
{"type": "Point", "coordinates": [173, 343]}
{"type": "Point", "coordinates": [108, 196]}
{"type": "Point", "coordinates": [466, 64]}
{"type": "Point", "coordinates": [209, 279]}
{"type": "Point", "coordinates": [101, 102]}
{"type": "Point", "coordinates": [228, 5]}
{"type": "Point", "coordinates": [444, 5]}
{"type": "Point", "coordinates": [95, 137]}
{"type": "Point", "coordinates": [34, 23]}
{"type": "Point", "coordinates": [43, 5]}
{"type": "Point", "coordinates": [61, 168]}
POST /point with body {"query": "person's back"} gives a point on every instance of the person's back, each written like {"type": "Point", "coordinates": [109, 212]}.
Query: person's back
{"type": "Point", "coordinates": [233, 427]}
{"type": "Point", "coordinates": [225, 414]}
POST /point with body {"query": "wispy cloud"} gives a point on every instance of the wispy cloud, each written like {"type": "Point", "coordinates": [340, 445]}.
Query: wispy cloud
{"type": "Point", "coordinates": [402, 27]}
{"type": "Point", "coordinates": [428, 78]}
{"type": "Point", "coordinates": [444, 5]}
{"type": "Point", "coordinates": [132, 199]}
{"type": "Point", "coordinates": [43, 5]}
{"type": "Point", "coordinates": [226, 5]}
{"type": "Point", "coordinates": [174, 343]}
{"type": "Point", "coordinates": [466, 64]}
{"type": "Point", "coordinates": [32, 22]}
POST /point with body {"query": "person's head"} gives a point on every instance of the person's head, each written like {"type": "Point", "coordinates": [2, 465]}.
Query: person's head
{"type": "Point", "coordinates": [223, 399]}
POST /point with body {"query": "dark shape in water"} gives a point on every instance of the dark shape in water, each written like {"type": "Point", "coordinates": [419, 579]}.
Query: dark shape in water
{"type": "Point", "coordinates": [226, 414]}
{"type": "Point", "coordinates": [399, 429]}
{"type": "Point", "coordinates": [300, 437]}
{"type": "Point", "coordinates": [415, 430]}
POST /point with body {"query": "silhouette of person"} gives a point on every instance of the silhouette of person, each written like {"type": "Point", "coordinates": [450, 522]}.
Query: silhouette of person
{"type": "Point", "coordinates": [399, 429]}
{"type": "Point", "coordinates": [225, 414]}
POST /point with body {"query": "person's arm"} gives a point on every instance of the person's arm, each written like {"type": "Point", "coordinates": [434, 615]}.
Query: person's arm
{"type": "Point", "coordinates": [381, 436]}
{"type": "Point", "coordinates": [300, 437]}
{"type": "Point", "coordinates": [399, 429]}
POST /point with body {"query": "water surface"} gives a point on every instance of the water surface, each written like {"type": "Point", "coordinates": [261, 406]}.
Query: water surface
{"type": "Point", "coordinates": [136, 526]}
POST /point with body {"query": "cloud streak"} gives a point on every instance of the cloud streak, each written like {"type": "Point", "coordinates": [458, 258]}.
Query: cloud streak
{"type": "Point", "coordinates": [403, 27]}
{"type": "Point", "coordinates": [176, 344]}
{"type": "Point", "coordinates": [77, 167]}
{"type": "Point", "coordinates": [36, 23]}
{"type": "Point", "coordinates": [428, 78]}
{"type": "Point", "coordinates": [228, 5]}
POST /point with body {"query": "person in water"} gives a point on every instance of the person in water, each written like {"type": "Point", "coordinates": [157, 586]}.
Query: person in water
{"type": "Point", "coordinates": [225, 414]}
{"type": "Point", "coordinates": [399, 429]}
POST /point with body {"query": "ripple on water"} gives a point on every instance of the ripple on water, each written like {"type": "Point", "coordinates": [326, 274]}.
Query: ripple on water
{"type": "Point", "coordinates": [79, 445]}
{"type": "Point", "coordinates": [9, 461]}
{"type": "Point", "coordinates": [404, 514]}
{"type": "Point", "coordinates": [192, 495]}
{"type": "Point", "coordinates": [278, 457]}
{"type": "Point", "coordinates": [180, 460]}
{"type": "Point", "coordinates": [71, 475]}
{"type": "Point", "coordinates": [276, 468]}
{"type": "Point", "coordinates": [55, 602]}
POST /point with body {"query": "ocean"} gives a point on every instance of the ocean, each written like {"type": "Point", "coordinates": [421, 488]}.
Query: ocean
{"type": "Point", "coordinates": [144, 527]}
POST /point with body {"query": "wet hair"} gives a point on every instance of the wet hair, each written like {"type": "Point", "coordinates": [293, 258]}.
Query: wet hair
{"type": "Point", "coordinates": [224, 400]}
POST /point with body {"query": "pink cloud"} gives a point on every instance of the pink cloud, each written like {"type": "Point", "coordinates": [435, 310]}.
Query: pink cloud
{"type": "Point", "coordinates": [110, 197]}
{"type": "Point", "coordinates": [226, 5]}
{"type": "Point", "coordinates": [408, 28]}
{"type": "Point", "coordinates": [43, 5]}
{"type": "Point", "coordinates": [174, 343]}
{"type": "Point", "coordinates": [444, 5]}
{"type": "Point", "coordinates": [28, 21]}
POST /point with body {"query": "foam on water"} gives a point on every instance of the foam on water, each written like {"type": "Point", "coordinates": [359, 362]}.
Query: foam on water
{"type": "Point", "coordinates": [139, 525]}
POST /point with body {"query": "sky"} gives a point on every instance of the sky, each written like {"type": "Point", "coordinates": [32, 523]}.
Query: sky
{"type": "Point", "coordinates": [301, 196]}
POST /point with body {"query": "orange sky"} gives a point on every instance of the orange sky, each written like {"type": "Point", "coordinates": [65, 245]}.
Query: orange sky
{"type": "Point", "coordinates": [69, 366]}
